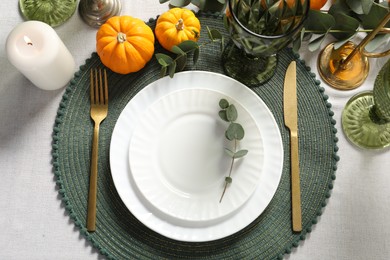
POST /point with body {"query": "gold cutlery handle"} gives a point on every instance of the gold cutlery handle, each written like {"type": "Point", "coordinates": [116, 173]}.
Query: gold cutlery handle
{"type": "Point", "coordinates": [91, 219]}
{"type": "Point", "coordinates": [295, 184]}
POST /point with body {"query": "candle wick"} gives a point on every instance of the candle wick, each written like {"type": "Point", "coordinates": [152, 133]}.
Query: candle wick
{"type": "Point", "coordinates": [27, 40]}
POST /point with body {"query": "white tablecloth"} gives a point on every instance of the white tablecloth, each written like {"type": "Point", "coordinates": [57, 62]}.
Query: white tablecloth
{"type": "Point", "coordinates": [33, 221]}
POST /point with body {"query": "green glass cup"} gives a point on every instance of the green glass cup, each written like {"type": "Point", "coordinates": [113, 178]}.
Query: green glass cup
{"type": "Point", "coordinates": [366, 116]}
{"type": "Point", "coordinates": [258, 31]}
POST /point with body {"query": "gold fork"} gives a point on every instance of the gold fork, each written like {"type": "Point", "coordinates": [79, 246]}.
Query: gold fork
{"type": "Point", "coordinates": [99, 110]}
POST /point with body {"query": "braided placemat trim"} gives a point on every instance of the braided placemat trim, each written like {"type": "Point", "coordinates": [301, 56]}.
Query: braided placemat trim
{"type": "Point", "coordinates": [80, 222]}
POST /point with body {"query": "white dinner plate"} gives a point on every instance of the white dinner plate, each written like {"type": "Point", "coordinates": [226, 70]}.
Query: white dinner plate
{"type": "Point", "coordinates": [141, 208]}
{"type": "Point", "coordinates": [178, 161]}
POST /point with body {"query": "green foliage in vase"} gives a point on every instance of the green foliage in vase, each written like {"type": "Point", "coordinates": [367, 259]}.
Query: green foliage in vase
{"type": "Point", "coordinates": [235, 132]}
{"type": "Point", "coordinates": [250, 22]}
{"type": "Point", "coordinates": [269, 17]}
{"type": "Point", "coordinates": [343, 20]}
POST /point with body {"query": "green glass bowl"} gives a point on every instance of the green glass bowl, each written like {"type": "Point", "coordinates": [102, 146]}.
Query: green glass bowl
{"type": "Point", "coordinates": [52, 12]}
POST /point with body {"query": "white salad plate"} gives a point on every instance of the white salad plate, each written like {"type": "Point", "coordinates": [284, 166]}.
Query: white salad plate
{"type": "Point", "coordinates": [220, 225]}
{"type": "Point", "coordinates": [178, 160]}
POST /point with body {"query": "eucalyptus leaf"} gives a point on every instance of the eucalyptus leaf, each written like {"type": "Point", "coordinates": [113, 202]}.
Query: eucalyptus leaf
{"type": "Point", "coordinates": [316, 43]}
{"type": "Point", "coordinates": [163, 59]}
{"type": "Point", "coordinates": [340, 7]}
{"type": "Point", "coordinates": [211, 5]}
{"type": "Point", "coordinates": [187, 46]}
{"type": "Point", "coordinates": [223, 103]}
{"type": "Point", "coordinates": [225, 21]}
{"type": "Point", "coordinates": [213, 34]}
{"type": "Point", "coordinates": [222, 115]}
{"type": "Point", "coordinates": [222, 45]}
{"type": "Point", "coordinates": [163, 71]}
{"type": "Point", "coordinates": [172, 69]}
{"type": "Point", "coordinates": [348, 25]}
{"type": "Point", "coordinates": [177, 50]}
{"type": "Point", "coordinates": [181, 62]}
{"type": "Point", "coordinates": [195, 57]}
{"type": "Point", "coordinates": [162, 62]}
{"type": "Point", "coordinates": [229, 135]}
{"type": "Point", "coordinates": [319, 22]}
{"type": "Point", "coordinates": [356, 6]}
{"type": "Point", "coordinates": [235, 131]}
{"type": "Point", "coordinates": [163, 1]}
{"type": "Point", "coordinates": [296, 45]}
{"type": "Point", "coordinates": [298, 42]}
{"type": "Point", "coordinates": [179, 3]}
{"type": "Point", "coordinates": [373, 18]}
{"type": "Point", "coordinates": [240, 154]}
{"type": "Point", "coordinates": [231, 113]}
{"type": "Point", "coordinates": [360, 7]}
{"type": "Point", "coordinates": [366, 5]}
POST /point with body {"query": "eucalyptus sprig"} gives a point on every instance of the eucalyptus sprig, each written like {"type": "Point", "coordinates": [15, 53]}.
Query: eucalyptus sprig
{"type": "Point", "coordinates": [235, 132]}
{"type": "Point", "coordinates": [171, 65]}
{"type": "Point", "coordinates": [343, 21]}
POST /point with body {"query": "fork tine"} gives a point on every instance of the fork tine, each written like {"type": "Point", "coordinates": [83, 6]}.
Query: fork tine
{"type": "Point", "coordinates": [91, 88]}
{"type": "Point", "coordinates": [105, 88]}
{"type": "Point", "coordinates": [101, 98]}
{"type": "Point", "coordinates": [96, 87]}
{"type": "Point", "coordinates": [99, 87]}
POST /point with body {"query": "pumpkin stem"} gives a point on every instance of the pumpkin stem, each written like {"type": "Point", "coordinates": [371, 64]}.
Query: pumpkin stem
{"type": "Point", "coordinates": [180, 24]}
{"type": "Point", "coordinates": [121, 37]}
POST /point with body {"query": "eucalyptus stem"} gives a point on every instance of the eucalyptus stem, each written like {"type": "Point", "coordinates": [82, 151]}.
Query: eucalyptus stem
{"type": "Point", "coordinates": [235, 132]}
{"type": "Point", "coordinates": [224, 189]}
{"type": "Point", "coordinates": [230, 171]}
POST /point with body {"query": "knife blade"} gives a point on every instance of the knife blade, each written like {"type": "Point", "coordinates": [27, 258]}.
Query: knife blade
{"type": "Point", "coordinates": [290, 106]}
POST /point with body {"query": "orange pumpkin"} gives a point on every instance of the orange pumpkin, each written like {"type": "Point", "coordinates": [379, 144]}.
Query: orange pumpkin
{"type": "Point", "coordinates": [317, 4]}
{"type": "Point", "coordinates": [125, 44]}
{"type": "Point", "coordinates": [175, 26]}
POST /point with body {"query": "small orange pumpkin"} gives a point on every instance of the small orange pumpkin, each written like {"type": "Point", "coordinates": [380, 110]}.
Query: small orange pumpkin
{"type": "Point", "coordinates": [175, 26]}
{"type": "Point", "coordinates": [317, 4]}
{"type": "Point", "coordinates": [125, 44]}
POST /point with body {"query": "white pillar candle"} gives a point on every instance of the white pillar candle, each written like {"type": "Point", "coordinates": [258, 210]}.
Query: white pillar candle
{"type": "Point", "coordinates": [35, 49]}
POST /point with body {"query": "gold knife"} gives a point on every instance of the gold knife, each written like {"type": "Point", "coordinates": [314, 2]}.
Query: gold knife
{"type": "Point", "coordinates": [290, 104]}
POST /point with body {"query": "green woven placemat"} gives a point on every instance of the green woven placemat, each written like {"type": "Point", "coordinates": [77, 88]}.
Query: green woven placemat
{"type": "Point", "coordinates": [119, 235]}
